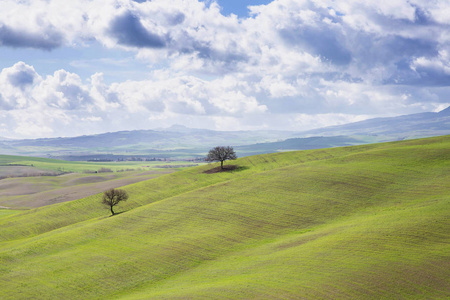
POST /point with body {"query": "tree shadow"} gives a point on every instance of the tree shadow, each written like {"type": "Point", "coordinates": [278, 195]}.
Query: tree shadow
{"type": "Point", "coordinates": [117, 213]}
{"type": "Point", "coordinates": [226, 168]}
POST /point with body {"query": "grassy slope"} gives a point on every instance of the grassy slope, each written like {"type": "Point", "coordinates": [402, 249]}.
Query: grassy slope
{"type": "Point", "coordinates": [79, 166]}
{"type": "Point", "coordinates": [335, 223]}
{"type": "Point", "coordinates": [8, 212]}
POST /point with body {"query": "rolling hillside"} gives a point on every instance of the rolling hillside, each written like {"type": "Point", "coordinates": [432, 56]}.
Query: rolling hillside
{"type": "Point", "coordinates": [357, 222]}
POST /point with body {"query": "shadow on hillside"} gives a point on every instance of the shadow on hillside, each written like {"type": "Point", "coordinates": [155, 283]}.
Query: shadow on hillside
{"type": "Point", "coordinates": [116, 214]}
{"type": "Point", "coordinates": [226, 168]}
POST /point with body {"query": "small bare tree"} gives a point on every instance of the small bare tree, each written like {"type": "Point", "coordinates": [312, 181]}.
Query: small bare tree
{"type": "Point", "coordinates": [221, 153]}
{"type": "Point", "coordinates": [112, 197]}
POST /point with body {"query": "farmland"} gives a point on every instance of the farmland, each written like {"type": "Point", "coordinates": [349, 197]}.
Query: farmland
{"type": "Point", "coordinates": [45, 164]}
{"type": "Point", "coordinates": [353, 222]}
{"type": "Point", "coordinates": [30, 182]}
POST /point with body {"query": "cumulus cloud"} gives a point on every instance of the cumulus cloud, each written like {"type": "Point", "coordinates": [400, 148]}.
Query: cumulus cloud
{"type": "Point", "coordinates": [19, 76]}
{"type": "Point", "coordinates": [15, 86]}
{"type": "Point", "coordinates": [129, 31]}
{"type": "Point", "coordinates": [289, 61]}
{"type": "Point", "coordinates": [5, 104]}
{"type": "Point", "coordinates": [354, 37]}
{"type": "Point", "coordinates": [63, 102]}
{"type": "Point", "coordinates": [51, 39]}
{"type": "Point", "coordinates": [62, 90]}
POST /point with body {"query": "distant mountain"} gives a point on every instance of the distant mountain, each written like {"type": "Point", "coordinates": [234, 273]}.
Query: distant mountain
{"type": "Point", "coordinates": [183, 142]}
{"type": "Point", "coordinates": [161, 139]}
{"type": "Point", "coordinates": [445, 112]}
{"type": "Point", "coordinates": [363, 132]}
{"type": "Point", "coordinates": [300, 144]}
{"type": "Point", "coordinates": [401, 127]}
{"type": "Point", "coordinates": [161, 143]}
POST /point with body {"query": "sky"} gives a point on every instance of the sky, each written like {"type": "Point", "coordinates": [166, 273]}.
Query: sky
{"type": "Point", "coordinates": [70, 68]}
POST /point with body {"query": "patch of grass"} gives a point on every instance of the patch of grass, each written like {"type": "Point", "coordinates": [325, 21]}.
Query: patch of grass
{"type": "Point", "coordinates": [345, 223]}
{"type": "Point", "coordinates": [80, 167]}
{"type": "Point", "coordinates": [8, 212]}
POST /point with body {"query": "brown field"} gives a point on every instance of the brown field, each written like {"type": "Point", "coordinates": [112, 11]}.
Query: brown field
{"type": "Point", "coordinates": [32, 192]}
{"type": "Point", "coordinates": [24, 171]}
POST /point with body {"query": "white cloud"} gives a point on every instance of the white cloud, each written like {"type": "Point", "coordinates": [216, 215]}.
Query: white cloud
{"type": "Point", "coordinates": [440, 63]}
{"type": "Point", "coordinates": [278, 87]}
{"type": "Point", "coordinates": [16, 83]}
{"type": "Point", "coordinates": [291, 60]}
{"type": "Point", "coordinates": [63, 90]}
{"type": "Point", "coordinates": [32, 129]}
{"type": "Point", "coordinates": [308, 122]}
{"type": "Point", "coordinates": [92, 119]}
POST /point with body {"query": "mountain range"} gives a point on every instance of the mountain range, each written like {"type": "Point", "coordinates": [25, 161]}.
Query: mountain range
{"type": "Point", "coordinates": [182, 142]}
{"type": "Point", "coordinates": [408, 126]}
{"type": "Point", "coordinates": [364, 132]}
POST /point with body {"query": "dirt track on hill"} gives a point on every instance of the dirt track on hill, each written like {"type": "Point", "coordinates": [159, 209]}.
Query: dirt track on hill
{"type": "Point", "coordinates": [25, 193]}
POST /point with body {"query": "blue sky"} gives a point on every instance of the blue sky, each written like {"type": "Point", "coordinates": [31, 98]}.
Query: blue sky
{"type": "Point", "coordinates": [82, 67]}
{"type": "Point", "coordinates": [239, 7]}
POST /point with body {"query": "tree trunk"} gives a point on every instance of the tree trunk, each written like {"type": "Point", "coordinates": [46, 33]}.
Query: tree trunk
{"type": "Point", "coordinates": [221, 164]}
{"type": "Point", "coordinates": [112, 211]}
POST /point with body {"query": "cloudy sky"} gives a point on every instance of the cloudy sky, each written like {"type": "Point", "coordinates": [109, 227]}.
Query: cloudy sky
{"type": "Point", "coordinates": [90, 66]}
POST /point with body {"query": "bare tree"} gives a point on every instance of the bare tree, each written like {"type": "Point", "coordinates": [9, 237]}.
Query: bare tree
{"type": "Point", "coordinates": [112, 197]}
{"type": "Point", "coordinates": [221, 153]}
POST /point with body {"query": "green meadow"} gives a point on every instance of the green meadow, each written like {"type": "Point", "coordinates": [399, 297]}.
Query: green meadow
{"type": "Point", "coordinates": [360, 222]}
{"type": "Point", "coordinates": [83, 166]}
{"type": "Point", "coordinates": [8, 212]}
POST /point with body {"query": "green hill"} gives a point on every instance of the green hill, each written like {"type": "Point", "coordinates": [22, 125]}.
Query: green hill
{"type": "Point", "coordinates": [367, 222]}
